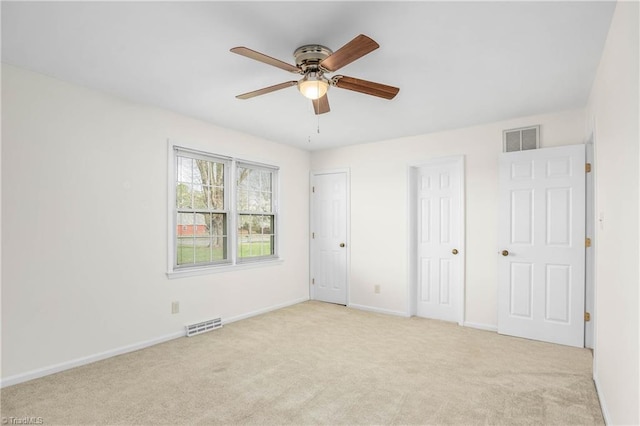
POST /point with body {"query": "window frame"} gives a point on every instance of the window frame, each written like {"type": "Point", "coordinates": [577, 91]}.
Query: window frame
{"type": "Point", "coordinates": [226, 208]}
{"type": "Point", "coordinates": [274, 209]}
{"type": "Point", "coordinates": [230, 185]}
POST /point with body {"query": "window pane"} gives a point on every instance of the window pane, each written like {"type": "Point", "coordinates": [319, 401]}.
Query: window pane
{"type": "Point", "coordinates": [255, 190]}
{"type": "Point", "coordinates": [265, 202]}
{"type": "Point", "coordinates": [201, 224]}
{"type": "Point", "coordinates": [202, 250]}
{"type": "Point", "coordinates": [183, 195]}
{"type": "Point", "coordinates": [217, 177]}
{"type": "Point", "coordinates": [218, 233]}
{"type": "Point", "coordinates": [243, 200]}
{"type": "Point", "coordinates": [253, 201]}
{"type": "Point", "coordinates": [217, 198]}
{"type": "Point", "coordinates": [266, 182]}
{"type": "Point", "coordinates": [210, 173]}
{"type": "Point", "coordinates": [185, 170]}
{"type": "Point", "coordinates": [184, 224]}
{"type": "Point", "coordinates": [199, 197]}
{"type": "Point", "coordinates": [184, 251]}
{"type": "Point", "coordinates": [200, 167]}
{"type": "Point", "coordinates": [201, 238]}
{"type": "Point", "coordinates": [255, 236]}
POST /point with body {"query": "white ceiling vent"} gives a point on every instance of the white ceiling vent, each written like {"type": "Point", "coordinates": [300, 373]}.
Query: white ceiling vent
{"type": "Point", "coordinates": [203, 327]}
{"type": "Point", "coordinates": [521, 139]}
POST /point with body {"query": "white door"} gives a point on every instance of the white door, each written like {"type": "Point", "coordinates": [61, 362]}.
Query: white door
{"type": "Point", "coordinates": [439, 243]}
{"type": "Point", "coordinates": [329, 237]}
{"type": "Point", "coordinates": [541, 237]}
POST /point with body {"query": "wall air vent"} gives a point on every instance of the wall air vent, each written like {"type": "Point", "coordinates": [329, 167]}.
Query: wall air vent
{"type": "Point", "coordinates": [203, 327]}
{"type": "Point", "coordinates": [521, 139]}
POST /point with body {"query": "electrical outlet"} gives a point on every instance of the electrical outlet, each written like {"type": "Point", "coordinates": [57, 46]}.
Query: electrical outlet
{"type": "Point", "coordinates": [376, 289]}
{"type": "Point", "coordinates": [175, 307]}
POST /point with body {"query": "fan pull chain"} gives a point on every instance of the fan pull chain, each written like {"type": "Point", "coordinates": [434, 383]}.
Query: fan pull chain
{"type": "Point", "coordinates": [318, 124]}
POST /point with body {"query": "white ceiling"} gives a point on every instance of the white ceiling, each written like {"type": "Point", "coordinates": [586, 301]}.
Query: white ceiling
{"type": "Point", "coordinates": [456, 63]}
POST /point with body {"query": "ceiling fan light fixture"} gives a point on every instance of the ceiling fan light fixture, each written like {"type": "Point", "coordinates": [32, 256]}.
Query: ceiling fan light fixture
{"type": "Point", "coordinates": [313, 86]}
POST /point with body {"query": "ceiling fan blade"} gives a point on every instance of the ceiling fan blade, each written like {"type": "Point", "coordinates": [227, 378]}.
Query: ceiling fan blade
{"type": "Point", "coordinates": [321, 105]}
{"type": "Point", "coordinates": [252, 54]}
{"type": "Point", "coordinates": [364, 86]}
{"type": "Point", "coordinates": [266, 90]}
{"type": "Point", "coordinates": [356, 48]}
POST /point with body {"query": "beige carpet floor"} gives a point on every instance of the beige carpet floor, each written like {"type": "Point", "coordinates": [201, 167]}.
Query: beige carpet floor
{"type": "Point", "coordinates": [316, 363]}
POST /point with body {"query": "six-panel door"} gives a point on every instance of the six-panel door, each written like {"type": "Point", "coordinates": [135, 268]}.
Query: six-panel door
{"type": "Point", "coordinates": [439, 241]}
{"type": "Point", "coordinates": [329, 238]}
{"type": "Point", "coordinates": [541, 244]}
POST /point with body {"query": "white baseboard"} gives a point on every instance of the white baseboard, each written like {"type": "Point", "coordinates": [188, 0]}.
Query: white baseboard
{"type": "Point", "coordinates": [479, 326]}
{"type": "Point", "coordinates": [603, 404]}
{"type": "Point", "coordinates": [45, 371]}
{"type": "Point", "coordinates": [56, 368]}
{"type": "Point", "coordinates": [263, 310]}
{"type": "Point", "coordinates": [378, 310]}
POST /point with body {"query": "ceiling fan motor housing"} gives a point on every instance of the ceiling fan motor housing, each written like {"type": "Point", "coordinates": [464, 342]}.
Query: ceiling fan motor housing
{"type": "Point", "coordinates": [308, 57]}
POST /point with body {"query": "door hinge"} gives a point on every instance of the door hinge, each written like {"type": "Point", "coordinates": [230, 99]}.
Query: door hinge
{"type": "Point", "coordinates": [587, 316]}
{"type": "Point", "coordinates": [587, 167]}
{"type": "Point", "coordinates": [313, 235]}
{"type": "Point", "coordinates": [313, 189]}
{"type": "Point", "coordinates": [313, 280]}
{"type": "Point", "coordinates": [587, 242]}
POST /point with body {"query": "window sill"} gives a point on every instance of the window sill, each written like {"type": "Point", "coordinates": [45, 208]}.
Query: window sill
{"type": "Point", "coordinates": [205, 270]}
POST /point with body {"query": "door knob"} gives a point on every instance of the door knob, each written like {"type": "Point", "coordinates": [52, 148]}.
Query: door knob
{"type": "Point", "coordinates": [341, 244]}
{"type": "Point", "coordinates": [454, 251]}
{"type": "Point", "coordinates": [505, 253]}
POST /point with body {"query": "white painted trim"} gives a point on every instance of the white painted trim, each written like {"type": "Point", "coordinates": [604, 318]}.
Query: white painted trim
{"type": "Point", "coordinates": [171, 201]}
{"type": "Point", "coordinates": [463, 239]}
{"type": "Point", "coordinates": [191, 272]}
{"type": "Point", "coordinates": [589, 256]}
{"type": "Point", "coordinates": [479, 326]}
{"type": "Point", "coordinates": [603, 404]}
{"type": "Point", "coordinates": [412, 241]}
{"type": "Point", "coordinates": [378, 310]}
{"type": "Point", "coordinates": [263, 310]}
{"type": "Point", "coordinates": [596, 250]}
{"type": "Point", "coordinates": [346, 170]}
{"type": "Point", "coordinates": [56, 368]}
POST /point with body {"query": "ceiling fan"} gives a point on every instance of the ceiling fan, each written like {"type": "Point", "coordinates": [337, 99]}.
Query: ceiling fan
{"type": "Point", "coordinates": [313, 61]}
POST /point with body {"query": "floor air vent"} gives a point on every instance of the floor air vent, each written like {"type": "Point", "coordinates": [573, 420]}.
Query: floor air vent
{"type": "Point", "coordinates": [203, 327]}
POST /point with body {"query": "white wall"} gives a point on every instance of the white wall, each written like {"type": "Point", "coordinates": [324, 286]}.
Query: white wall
{"type": "Point", "coordinates": [379, 202]}
{"type": "Point", "coordinates": [612, 116]}
{"type": "Point", "coordinates": [84, 198]}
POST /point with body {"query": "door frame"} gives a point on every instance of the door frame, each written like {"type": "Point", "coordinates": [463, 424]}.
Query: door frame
{"type": "Point", "coordinates": [412, 230]}
{"type": "Point", "coordinates": [590, 252]}
{"type": "Point", "coordinates": [312, 254]}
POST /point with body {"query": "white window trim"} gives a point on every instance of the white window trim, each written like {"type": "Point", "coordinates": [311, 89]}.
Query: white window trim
{"type": "Point", "coordinates": [234, 263]}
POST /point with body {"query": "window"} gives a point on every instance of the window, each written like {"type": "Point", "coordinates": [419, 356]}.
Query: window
{"type": "Point", "coordinates": [256, 217]}
{"type": "Point", "coordinates": [224, 211]}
